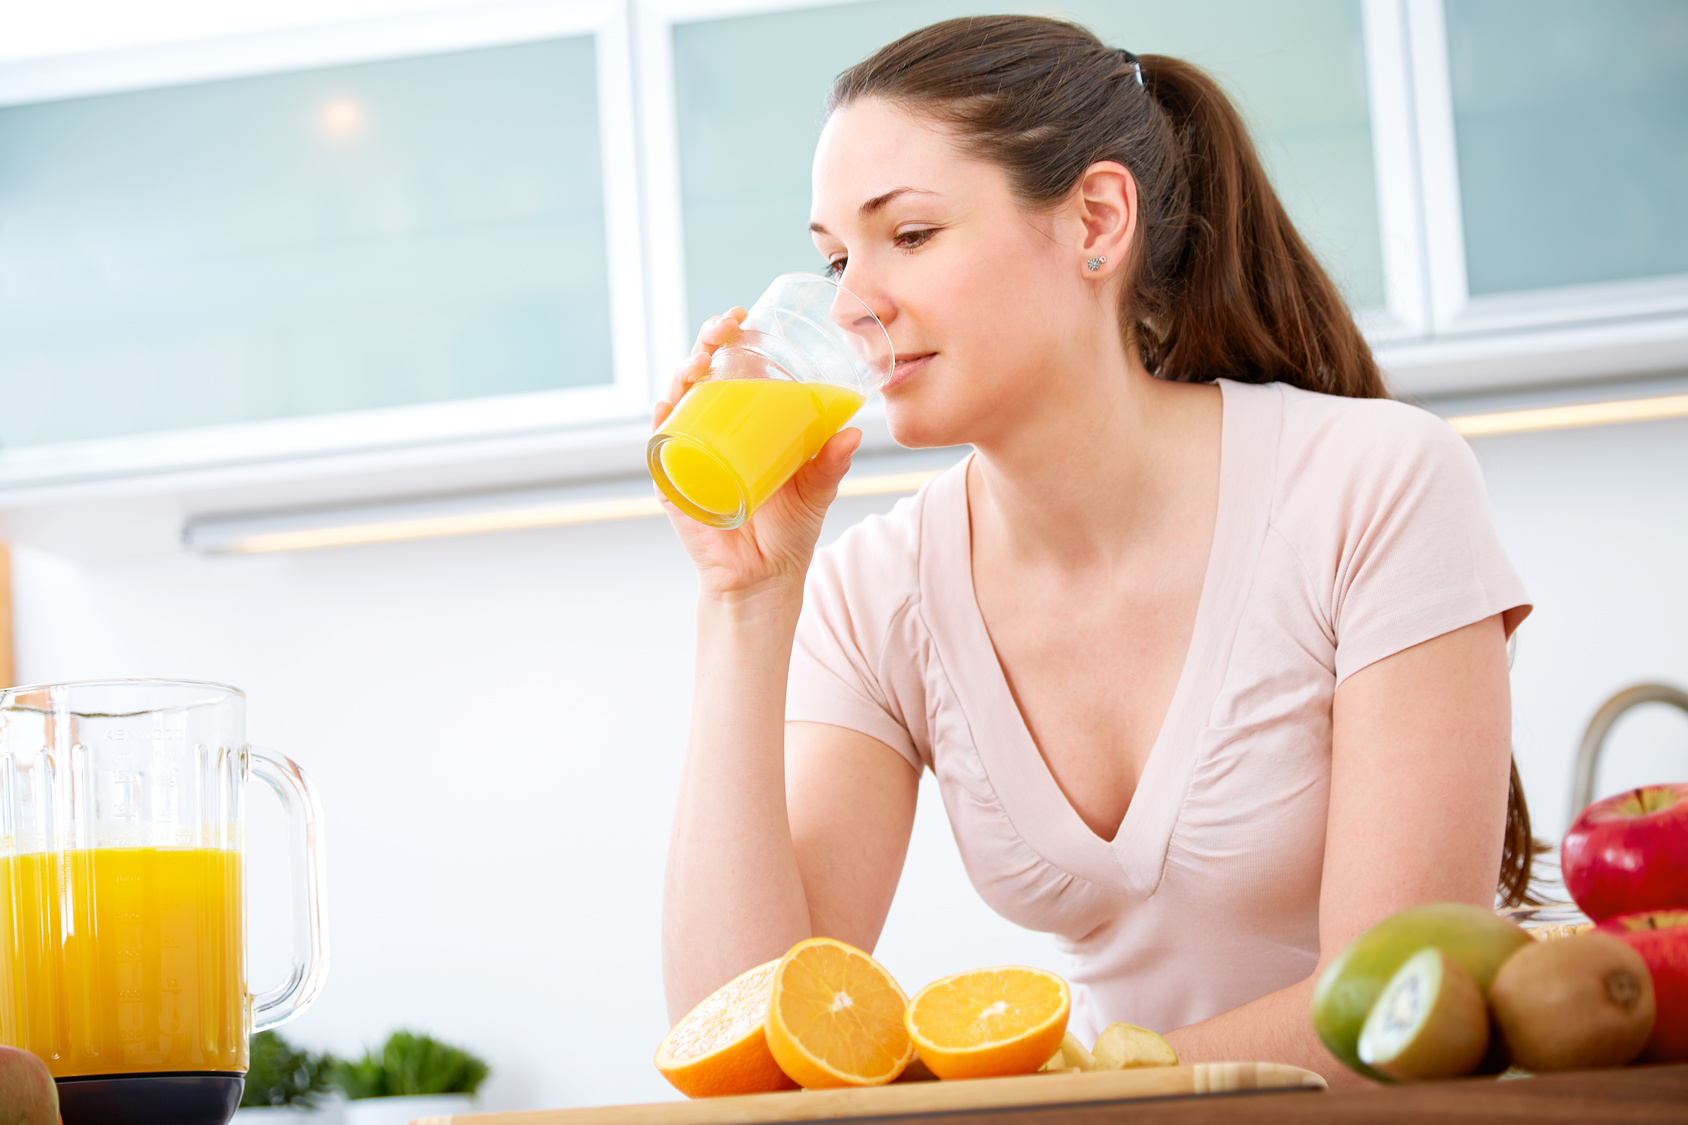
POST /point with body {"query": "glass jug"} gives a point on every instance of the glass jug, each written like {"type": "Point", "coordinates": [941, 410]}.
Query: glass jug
{"type": "Point", "coordinates": [122, 895]}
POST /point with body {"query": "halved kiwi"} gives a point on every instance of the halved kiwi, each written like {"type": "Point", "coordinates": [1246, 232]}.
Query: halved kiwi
{"type": "Point", "coordinates": [1576, 1002]}
{"type": "Point", "coordinates": [1429, 1021]}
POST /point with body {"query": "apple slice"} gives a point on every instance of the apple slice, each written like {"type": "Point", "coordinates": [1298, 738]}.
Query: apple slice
{"type": "Point", "coordinates": [1125, 1046]}
{"type": "Point", "coordinates": [1072, 1056]}
{"type": "Point", "coordinates": [1629, 852]}
{"type": "Point", "coordinates": [1661, 937]}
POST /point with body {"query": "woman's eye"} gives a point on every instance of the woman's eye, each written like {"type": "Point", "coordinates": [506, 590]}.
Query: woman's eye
{"type": "Point", "coordinates": [835, 268]}
{"type": "Point", "coordinates": [909, 239]}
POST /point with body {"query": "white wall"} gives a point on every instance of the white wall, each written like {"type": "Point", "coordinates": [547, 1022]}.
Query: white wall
{"type": "Point", "coordinates": [496, 724]}
{"type": "Point", "coordinates": [1596, 521]}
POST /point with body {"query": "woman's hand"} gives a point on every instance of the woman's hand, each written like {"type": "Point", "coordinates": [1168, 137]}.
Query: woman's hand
{"type": "Point", "coordinates": [771, 552]}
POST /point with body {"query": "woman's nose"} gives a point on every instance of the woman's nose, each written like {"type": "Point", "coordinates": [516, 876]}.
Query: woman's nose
{"type": "Point", "coordinates": [867, 316]}
{"type": "Point", "coordinates": [857, 282]}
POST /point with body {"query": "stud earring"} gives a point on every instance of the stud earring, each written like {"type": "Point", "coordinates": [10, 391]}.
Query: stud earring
{"type": "Point", "coordinates": [1096, 263]}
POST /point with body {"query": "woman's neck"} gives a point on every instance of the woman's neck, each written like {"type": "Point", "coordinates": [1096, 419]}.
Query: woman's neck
{"type": "Point", "coordinates": [1104, 463]}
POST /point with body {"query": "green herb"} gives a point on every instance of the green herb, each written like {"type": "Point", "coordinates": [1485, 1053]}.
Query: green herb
{"type": "Point", "coordinates": [279, 1075]}
{"type": "Point", "coordinates": [408, 1064]}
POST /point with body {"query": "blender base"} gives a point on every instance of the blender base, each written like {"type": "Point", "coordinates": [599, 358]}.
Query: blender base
{"type": "Point", "coordinates": [198, 1098]}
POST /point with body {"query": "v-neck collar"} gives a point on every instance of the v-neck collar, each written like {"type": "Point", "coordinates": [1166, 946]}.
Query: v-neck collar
{"type": "Point", "coordinates": [1133, 861]}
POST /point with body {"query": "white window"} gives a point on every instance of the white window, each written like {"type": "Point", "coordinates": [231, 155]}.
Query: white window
{"type": "Point", "coordinates": [404, 232]}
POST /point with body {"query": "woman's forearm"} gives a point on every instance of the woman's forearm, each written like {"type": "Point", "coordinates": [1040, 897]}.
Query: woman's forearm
{"type": "Point", "coordinates": [733, 896]}
{"type": "Point", "coordinates": [1278, 1027]}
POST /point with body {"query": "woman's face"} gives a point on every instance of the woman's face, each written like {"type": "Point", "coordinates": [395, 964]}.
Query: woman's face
{"type": "Point", "coordinates": [983, 300]}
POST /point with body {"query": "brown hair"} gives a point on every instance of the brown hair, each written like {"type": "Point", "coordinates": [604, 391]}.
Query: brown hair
{"type": "Point", "coordinates": [1220, 283]}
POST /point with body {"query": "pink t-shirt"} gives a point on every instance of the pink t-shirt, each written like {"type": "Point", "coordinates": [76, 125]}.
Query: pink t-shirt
{"type": "Point", "coordinates": [1347, 530]}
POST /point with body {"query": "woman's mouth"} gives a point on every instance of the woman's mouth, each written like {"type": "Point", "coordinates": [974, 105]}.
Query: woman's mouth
{"type": "Point", "coordinates": [907, 367]}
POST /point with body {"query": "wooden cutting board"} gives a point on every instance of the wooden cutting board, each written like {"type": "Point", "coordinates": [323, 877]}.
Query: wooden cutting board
{"type": "Point", "coordinates": [906, 1098]}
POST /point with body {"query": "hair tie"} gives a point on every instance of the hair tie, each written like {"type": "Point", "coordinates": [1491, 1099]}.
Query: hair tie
{"type": "Point", "coordinates": [1136, 67]}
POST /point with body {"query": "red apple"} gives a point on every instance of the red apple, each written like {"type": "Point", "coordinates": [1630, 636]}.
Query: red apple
{"type": "Point", "coordinates": [1661, 937]}
{"type": "Point", "coordinates": [1629, 853]}
{"type": "Point", "coordinates": [27, 1093]}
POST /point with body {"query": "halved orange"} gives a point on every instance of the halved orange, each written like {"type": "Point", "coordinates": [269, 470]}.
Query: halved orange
{"type": "Point", "coordinates": [719, 1047]}
{"type": "Point", "coordinates": [989, 1022]}
{"type": "Point", "coordinates": [836, 1017]}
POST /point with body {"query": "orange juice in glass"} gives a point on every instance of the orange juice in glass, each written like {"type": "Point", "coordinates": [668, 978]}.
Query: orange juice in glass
{"type": "Point", "coordinates": [806, 357]}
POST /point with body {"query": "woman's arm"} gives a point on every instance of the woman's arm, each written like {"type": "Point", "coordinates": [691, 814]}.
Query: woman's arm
{"type": "Point", "coordinates": [778, 834]}
{"type": "Point", "coordinates": [764, 853]}
{"type": "Point", "coordinates": [1420, 759]}
{"type": "Point", "coordinates": [732, 896]}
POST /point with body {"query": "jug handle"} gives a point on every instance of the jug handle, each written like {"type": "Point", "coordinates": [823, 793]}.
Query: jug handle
{"type": "Point", "coordinates": [276, 1006]}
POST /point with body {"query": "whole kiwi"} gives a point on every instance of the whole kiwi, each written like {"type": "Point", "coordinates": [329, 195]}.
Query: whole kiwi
{"type": "Point", "coordinates": [1571, 1003]}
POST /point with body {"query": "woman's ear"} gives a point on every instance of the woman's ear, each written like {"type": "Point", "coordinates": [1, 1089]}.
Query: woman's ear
{"type": "Point", "coordinates": [1106, 208]}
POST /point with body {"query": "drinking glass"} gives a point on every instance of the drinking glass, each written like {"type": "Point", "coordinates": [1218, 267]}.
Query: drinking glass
{"type": "Point", "coordinates": [803, 361]}
{"type": "Point", "coordinates": [122, 895]}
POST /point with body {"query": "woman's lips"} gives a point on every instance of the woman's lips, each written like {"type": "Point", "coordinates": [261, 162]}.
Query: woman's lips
{"type": "Point", "coordinates": [907, 367]}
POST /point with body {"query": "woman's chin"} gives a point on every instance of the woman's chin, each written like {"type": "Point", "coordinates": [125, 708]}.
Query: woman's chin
{"type": "Point", "coordinates": [915, 428]}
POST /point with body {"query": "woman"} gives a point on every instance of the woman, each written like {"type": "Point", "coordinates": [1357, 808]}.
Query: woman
{"type": "Point", "coordinates": [1205, 643]}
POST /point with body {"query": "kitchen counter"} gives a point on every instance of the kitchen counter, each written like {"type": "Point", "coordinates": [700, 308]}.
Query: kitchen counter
{"type": "Point", "coordinates": [1653, 1094]}
{"type": "Point", "coordinates": [1632, 1094]}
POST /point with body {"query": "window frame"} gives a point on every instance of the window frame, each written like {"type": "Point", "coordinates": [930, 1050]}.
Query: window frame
{"type": "Point", "coordinates": [416, 429]}
{"type": "Point", "coordinates": [671, 336]}
{"type": "Point", "coordinates": [1389, 84]}
{"type": "Point", "coordinates": [1482, 343]}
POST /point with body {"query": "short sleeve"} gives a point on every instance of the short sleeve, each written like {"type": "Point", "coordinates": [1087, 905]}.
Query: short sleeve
{"type": "Point", "coordinates": [842, 638]}
{"type": "Point", "coordinates": [1420, 555]}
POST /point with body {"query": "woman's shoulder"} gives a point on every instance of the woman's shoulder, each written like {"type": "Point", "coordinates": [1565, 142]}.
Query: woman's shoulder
{"type": "Point", "coordinates": [1368, 429]}
{"type": "Point", "coordinates": [1346, 468]}
{"type": "Point", "coordinates": [1330, 445]}
{"type": "Point", "coordinates": [1385, 509]}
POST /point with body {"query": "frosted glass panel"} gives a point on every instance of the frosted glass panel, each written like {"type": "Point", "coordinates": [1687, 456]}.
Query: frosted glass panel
{"type": "Point", "coordinates": [329, 240]}
{"type": "Point", "coordinates": [1295, 67]}
{"type": "Point", "coordinates": [1571, 118]}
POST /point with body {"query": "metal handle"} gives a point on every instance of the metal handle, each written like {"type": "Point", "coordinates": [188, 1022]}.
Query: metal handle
{"type": "Point", "coordinates": [276, 1006]}
{"type": "Point", "coordinates": [1594, 739]}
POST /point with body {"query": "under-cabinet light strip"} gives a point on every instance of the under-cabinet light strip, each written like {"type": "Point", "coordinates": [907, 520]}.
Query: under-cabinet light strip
{"type": "Point", "coordinates": [639, 507]}
{"type": "Point", "coordinates": [1572, 417]}
{"type": "Point", "coordinates": [513, 519]}
{"type": "Point", "coordinates": [443, 527]}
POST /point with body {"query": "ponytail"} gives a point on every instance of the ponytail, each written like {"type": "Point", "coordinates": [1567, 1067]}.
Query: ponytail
{"type": "Point", "coordinates": [1519, 850]}
{"type": "Point", "coordinates": [1221, 283]}
{"type": "Point", "coordinates": [1241, 297]}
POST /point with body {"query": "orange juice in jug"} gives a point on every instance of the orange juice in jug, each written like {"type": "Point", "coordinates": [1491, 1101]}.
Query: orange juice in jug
{"type": "Point", "coordinates": [124, 960]}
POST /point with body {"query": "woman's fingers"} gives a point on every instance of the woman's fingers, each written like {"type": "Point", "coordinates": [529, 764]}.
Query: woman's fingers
{"type": "Point", "coordinates": [689, 372]}
{"type": "Point", "coordinates": [817, 482]}
{"type": "Point", "coordinates": [717, 330]}
{"type": "Point", "coordinates": [840, 448]}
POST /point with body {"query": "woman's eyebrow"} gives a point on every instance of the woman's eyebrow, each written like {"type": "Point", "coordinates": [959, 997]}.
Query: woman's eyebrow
{"type": "Point", "coordinates": [876, 203]}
